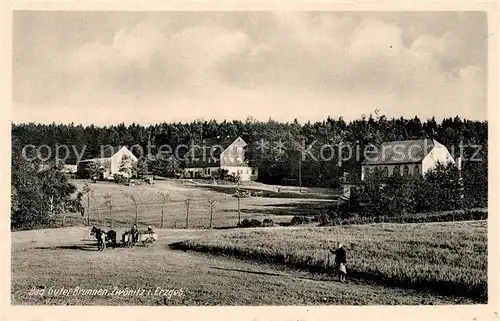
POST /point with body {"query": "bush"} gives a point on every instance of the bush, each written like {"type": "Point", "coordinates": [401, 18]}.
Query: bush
{"type": "Point", "coordinates": [267, 222]}
{"type": "Point", "coordinates": [120, 179]}
{"type": "Point", "coordinates": [255, 223]}
{"type": "Point", "coordinates": [440, 190]}
{"type": "Point", "coordinates": [250, 223]}
{"type": "Point", "coordinates": [324, 219]}
{"type": "Point", "coordinates": [244, 223]}
{"type": "Point", "coordinates": [469, 215]}
{"type": "Point", "coordinates": [301, 219]}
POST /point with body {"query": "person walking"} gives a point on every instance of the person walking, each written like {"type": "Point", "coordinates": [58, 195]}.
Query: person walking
{"type": "Point", "coordinates": [340, 262]}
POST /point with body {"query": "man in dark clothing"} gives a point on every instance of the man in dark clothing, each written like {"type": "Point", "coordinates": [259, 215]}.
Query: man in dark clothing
{"type": "Point", "coordinates": [135, 233]}
{"type": "Point", "coordinates": [340, 262]}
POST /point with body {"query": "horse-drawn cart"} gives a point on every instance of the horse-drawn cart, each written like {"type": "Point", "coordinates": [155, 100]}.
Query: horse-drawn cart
{"type": "Point", "coordinates": [145, 238]}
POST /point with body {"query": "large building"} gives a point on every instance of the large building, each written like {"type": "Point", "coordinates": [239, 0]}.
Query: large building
{"type": "Point", "coordinates": [409, 157]}
{"type": "Point", "coordinates": [204, 160]}
{"type": "Point", "coordinates": [110, 162]}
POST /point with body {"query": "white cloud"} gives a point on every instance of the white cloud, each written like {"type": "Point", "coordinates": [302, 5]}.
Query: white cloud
{"type": "Point", "coordinates": [374, 40]}
{"type": "Point", "coordinates": [297, 65]}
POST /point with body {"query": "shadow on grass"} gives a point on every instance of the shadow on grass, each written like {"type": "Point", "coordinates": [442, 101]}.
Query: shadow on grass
{"type": "Point", "coordinates": [246, 271]}
{"type": "Point", "coordinates": [89, 246]}
{"type": "Point", "coordinates": [303, 209]}
{"type": "Point", "coordinates": [270, 194]}
{"type": "Point", "coordinates": [69, 247]}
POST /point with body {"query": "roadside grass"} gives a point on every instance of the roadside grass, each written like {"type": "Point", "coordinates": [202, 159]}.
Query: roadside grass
{"type": "Point", "coordinates": [445, 258]}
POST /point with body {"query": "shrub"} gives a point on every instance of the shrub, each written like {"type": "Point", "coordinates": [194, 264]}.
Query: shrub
{"type": "Point", "coordinates": [469, 215]}
{"type": "Point", "coordinates": [267, 222]}
{"type": "Point", "coordinates": [120, 179]}
{"type": "Point", "coordinates": [324, 219]}
{"type": "Point", "coordinates": [250, 223]}
{"type": "Point", "coordinates": [255, 223]}
{"type": "Point", "coordinates": [301, 219]}
{"type": "Point", "coordinates": [244, 223]}
{"type": "Point", "coordinates": [440, 190]}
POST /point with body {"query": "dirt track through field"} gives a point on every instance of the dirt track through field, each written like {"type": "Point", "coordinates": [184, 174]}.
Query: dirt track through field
{"type": "Point", "coordinates": [68, 258]}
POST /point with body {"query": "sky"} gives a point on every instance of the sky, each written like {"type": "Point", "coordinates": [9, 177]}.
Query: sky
{"type": "Point", "coordinates": [150, 67]}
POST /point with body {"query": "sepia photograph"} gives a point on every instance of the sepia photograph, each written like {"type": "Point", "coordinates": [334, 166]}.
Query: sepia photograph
{"type": "Point", "coordinates": [249, 158]}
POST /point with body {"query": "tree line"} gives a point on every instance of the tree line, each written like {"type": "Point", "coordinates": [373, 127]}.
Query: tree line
{"type": "Point", "coordinates": [40, 194]}
{"type": "Point", "coordinates": [276, 148]}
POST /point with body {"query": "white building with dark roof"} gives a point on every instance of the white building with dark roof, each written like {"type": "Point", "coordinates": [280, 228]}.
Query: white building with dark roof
{"type": "Point", "coordinates": [409, 157]}
{"type": "Point", "coordinates": [205, 159]}
{"type": "Point", "coordinates": [109, 162]}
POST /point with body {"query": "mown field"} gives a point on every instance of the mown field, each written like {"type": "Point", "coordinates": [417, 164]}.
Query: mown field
{"type": "Point", "coordinates": [50, 260]}
{"type": "Point", "coordinates": [445, 258]}
{"type": "Point", "coordinates": [225, 210]}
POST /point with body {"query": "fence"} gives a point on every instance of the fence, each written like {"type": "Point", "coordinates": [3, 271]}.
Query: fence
{"type": "Point", "coordinates": [180, 213]}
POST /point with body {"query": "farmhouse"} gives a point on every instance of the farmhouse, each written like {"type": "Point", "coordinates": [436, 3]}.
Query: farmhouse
{"type": "Point", "coordinates": [409, 157]}
{"type": "Point", "coordinates": [113, 160]}
{"type": "Point", "coordinates": [212, 155]}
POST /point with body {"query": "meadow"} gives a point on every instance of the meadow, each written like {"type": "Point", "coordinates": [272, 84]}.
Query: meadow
{"type": "Point", "coordinates": [445, 258]}
{"type": "Point", "coordinates": [67, 258]}
{"type": "Point", "coordinates": [278, 206]}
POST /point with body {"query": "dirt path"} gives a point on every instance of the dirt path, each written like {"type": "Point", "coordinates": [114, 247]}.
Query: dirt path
{"type": "Point", "coordinates": [66, 258]}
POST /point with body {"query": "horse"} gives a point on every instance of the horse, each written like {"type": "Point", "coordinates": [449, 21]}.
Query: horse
{"type": "Point", "coordinates": [103, 237]}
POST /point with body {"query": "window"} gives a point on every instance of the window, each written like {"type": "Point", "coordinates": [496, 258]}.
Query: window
{"type": "Point", "coordinates": [225, 159]}
{"type": "Point", "coordinates": [253, 171]}
{"type": "Point", "coordinates": [396, 170]}
{"type": "Point", "coordinates": [231, 159]}
{"type": "Point", "coordinates": [239, 160]}
{"type": "Point", "coordinates": [208, 171]}
{"type": "Point", "coordinates": [385, 171]}
{"type": "Point", "coordinates": [406, 170]}
{"type": "Point", "coordinates": [416, 170]}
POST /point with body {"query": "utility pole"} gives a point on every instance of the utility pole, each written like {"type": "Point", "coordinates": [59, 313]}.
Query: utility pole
{"type": "Point", "coordinates": [238, 196]}
{"type": "Point", "coordinates": [188, 202]}
{"type": "Point", "coordinates": [63, 214]}
{"type": "Point", "coordinates": [211, 202]}
{"type": "Point", "coordinates": [300, 175]}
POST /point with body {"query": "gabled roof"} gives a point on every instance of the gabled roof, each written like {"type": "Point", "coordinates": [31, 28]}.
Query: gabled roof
{"type": "Point", "coordinates": [105, 153]}
{"type": "Point", "coordinates": [210, 146]}
{"type": "Point", "coordinates": [400, 152]}
{"type": "Point", "coordinates": [207, 152]}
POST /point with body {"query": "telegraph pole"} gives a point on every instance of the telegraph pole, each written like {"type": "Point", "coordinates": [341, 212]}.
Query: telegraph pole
{"type": "Point", "coordinates": [300, 175]}
{"type": "Point", "coordinates": [239, 208]}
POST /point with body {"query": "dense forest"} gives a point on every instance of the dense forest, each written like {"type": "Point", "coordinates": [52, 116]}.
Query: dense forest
{"type": "Point", "coordinates": [40, 196]}
{"type": "Point", "coordinates": [275, 147]}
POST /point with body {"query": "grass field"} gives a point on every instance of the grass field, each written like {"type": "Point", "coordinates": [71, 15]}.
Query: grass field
{"type": "Point", "coordinates": [387, 263]}
{"type": "Point", "coordinates": [67, 258]}
{"type": "Point", "coordinates": [448, 258]}
{"type": "Point", "coordinates": [225, 211]}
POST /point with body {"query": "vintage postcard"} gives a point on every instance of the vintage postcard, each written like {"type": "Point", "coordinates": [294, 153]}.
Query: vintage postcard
{"type": "Point", "coordinates": [309, 159]}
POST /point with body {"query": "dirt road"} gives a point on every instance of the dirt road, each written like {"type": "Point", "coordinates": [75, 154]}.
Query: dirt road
{"type": "Point", "coordinates": [59, 260]}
